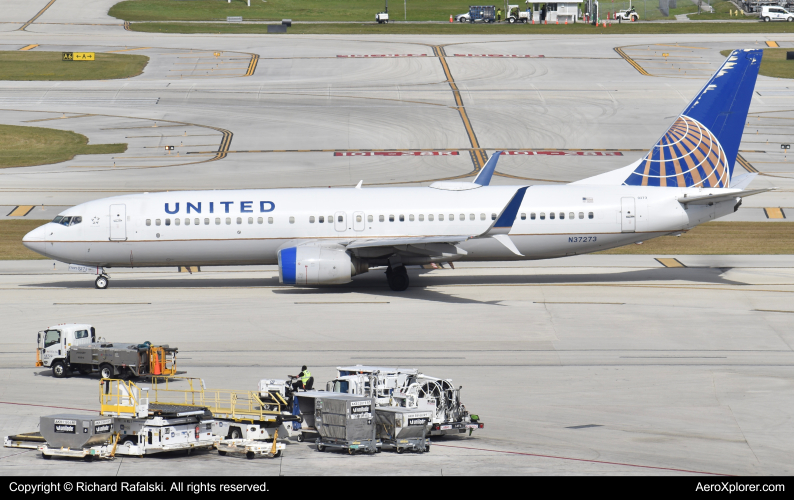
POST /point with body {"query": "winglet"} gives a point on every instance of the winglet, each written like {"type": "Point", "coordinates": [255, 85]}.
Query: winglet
{"type": "Point", "coordinates": [358, 186]}
{"type": "Point", "coordinates": [484, 177]}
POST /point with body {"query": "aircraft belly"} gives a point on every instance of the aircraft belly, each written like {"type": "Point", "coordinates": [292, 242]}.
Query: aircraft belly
{"type": "Point", "coordinates": [167, 253]}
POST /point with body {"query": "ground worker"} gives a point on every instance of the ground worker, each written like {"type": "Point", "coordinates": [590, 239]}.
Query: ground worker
{"type": "Point", "coordinates": [303, 378]}
{"type": "Point", "coordinates": [498, 15]}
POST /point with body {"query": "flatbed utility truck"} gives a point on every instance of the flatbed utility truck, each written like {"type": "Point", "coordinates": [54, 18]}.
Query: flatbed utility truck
{"type": "Point", "coordinates": [74, 347]}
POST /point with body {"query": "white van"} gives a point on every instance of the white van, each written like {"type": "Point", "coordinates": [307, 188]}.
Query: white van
{"type": "Point", "coordinates": [775, 13]}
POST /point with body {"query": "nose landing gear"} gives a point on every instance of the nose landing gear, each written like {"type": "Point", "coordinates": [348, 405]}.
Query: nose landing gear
{"type": "Point", "coordinates": [102, 282]}
{"type": "Point", "coordinates": [397, 278]}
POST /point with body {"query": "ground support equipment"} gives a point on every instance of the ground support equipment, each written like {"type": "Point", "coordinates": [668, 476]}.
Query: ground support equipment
{"type": "Point", "coordinates": [251, 448]}
{"type": "Point", "coordinates": [29, 440]}
{"type": "Point", "coordinates": [352, 447]}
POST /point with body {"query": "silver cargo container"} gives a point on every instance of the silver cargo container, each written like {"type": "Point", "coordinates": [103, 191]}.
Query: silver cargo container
{"type": "Point", "coordinates": [345, 421]}
{"type": "Point", "coordinates": [403, 428]}
{"type": "Point", "coordinates": [74, 431]}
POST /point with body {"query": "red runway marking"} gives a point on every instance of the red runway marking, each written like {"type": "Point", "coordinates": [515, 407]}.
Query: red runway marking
{"type": "Point", "coordinates": [498, 55]}
{"type": "Point", "coordinates": [582, 460]}
{"type": "Point", "coordinates": [396, 153]}
{"type": "Point", "coordinates": [564, 153]}
{"type": "Point", "coordinates": [383, 55]}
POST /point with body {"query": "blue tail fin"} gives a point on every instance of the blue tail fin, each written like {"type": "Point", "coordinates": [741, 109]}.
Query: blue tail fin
{"type": "Point", "coordinates": [700, 148]}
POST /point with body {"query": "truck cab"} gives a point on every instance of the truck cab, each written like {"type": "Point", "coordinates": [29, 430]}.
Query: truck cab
{"type": "Point", "coordinates": [55, 341]}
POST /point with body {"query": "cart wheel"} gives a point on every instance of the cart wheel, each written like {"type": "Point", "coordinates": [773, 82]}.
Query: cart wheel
{"type": "Point", "coordinates": [189, 451]}
{"type": "Point", "coordinates": [378, 450]}
{"type": "Point", "coordinates": [427, 449]}
{"type": "Point", "coordinates": [320, 447]}
{"type": "Point", "coordinates": [44, 456]}
{"type": "Point", "coordinates": [278, 454]}
{"type": "Point", "coordinates": [301, 438]}
{"type": "Point", "coordinates": [250, 455]}
{"type": "Point", "coordinates": [399, 450]}
{"type": "Point", "coordinates": [88, 458]}
{"type": "Point", "coordinates": [221, 453]}
{"type": "Point", "coordinates": [351, 451]}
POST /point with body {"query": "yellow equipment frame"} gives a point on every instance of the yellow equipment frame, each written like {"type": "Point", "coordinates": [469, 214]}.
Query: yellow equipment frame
{"type": "Point", "coordinates": [223, 403]}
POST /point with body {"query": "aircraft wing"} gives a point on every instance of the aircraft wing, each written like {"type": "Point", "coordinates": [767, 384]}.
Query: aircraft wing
{"type": "Point", "coordinates": [393, 242]}
{"type": "Point", "coordinates": [712, 198]}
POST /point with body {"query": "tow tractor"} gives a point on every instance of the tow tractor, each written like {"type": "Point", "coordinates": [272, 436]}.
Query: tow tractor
{"type": "Point", "coordinates": [68, 348]}
{"type": "Point", "coordinates": [383, 17]}
{"type": "Point", "coordinates": [515, 15]}
{"type": "Point", "coordinates": [408, 388]}
{"type": "Point", "coordinates": [629, 14]}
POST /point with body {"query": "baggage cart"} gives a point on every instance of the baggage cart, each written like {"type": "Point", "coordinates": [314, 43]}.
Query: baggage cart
{"type": "Point", "coordinates": [252, 448]}
{"type": "Point", "coordinates": [345, 422]}
{"type": "Point", "coordinates": [403, 429]}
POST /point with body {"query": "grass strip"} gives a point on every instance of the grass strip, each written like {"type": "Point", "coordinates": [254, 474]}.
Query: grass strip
{"type": "Point", "coordinates": [773, 64]}
{"type": "Point", "coordinates": [720, 238]}
{"type": "Point", "coordinates": [28, 146]}
{"type": "Point", "coordinates": [474, 29]}
{"type": "Point", "coordinates": [48, 66]}
{"type": "Point", "coordinates": [11, 233]}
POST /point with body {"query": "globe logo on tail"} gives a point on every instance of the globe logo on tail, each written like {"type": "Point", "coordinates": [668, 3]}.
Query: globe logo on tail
{"type": "Point", "coordinates": [688, 155]}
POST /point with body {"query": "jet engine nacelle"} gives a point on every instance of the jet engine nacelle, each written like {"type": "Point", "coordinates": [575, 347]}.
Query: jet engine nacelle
{"type": "Point", "coordinates": [310, 265]}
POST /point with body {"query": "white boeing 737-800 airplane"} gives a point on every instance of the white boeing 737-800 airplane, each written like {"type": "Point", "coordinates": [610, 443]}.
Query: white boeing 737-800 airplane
{"type": "Point", "coordinates": [327, 236]}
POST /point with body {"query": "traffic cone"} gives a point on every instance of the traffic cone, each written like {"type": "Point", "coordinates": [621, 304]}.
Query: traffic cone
{"type": "Point", "coordinates": [566, 20]}
{"type": "Point", "coordinates": [156, 363]}
{"type": "Point", "coordinates": [558, 21]}
{"type": "Point", "coordinates": [450, 18]}
{"type": "Point", "coordinates": [533, 20]}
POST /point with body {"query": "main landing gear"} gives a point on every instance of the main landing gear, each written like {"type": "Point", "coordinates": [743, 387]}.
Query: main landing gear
{"type": "Point", "coordinates": [397, 278]}
{"type": "Point", "coordinates": [102, 282]}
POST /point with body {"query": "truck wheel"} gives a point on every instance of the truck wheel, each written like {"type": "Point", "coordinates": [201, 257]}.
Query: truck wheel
{"type": "Point", "coordinates": [58, 369]}
{"type": "Point", "coordinates": [399, 450]}
{"type": "Point", "coordinates": [106, 371]}
{"type": "Point", "coordinates": [235, 433]}
{"type": "Point", "coordinates": [101, 283]}
{"type": "Point", "coordinates": [250, 455]}
{"type": "Point", "coordinates": [511, 20]}
{"type": "Point", "coordinates": [278, 454]}
{"type": "Point", "coordinates": [221, 453]}
{"type": "Point", "coordinates": [301, 438]}
{"type": "Point", "coordinates": [766, 19]}
{"type": "Point", "coordinates": [320, 447]}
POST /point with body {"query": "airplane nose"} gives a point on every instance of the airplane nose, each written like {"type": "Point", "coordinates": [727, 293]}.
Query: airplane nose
{"type": "Point", "coordinates": [34, 240]}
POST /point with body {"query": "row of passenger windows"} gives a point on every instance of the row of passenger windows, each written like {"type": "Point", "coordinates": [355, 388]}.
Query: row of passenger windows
{"type": "Point", "coordinates": [359, 218]}
{"type": "Point", "coordinates": [197, 221]}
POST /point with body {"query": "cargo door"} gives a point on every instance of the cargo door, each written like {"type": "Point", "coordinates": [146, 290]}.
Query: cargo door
{"type": "Point", "coordinates": [358, 221]}
{"type": "Point", "coordinates": [340, 221]}
{"type": "Point", "coordinates": [118, 222]}
{"type": "Point", "coordinates": [627, 215]}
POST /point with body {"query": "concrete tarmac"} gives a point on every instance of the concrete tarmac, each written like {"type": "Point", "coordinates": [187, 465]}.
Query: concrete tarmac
{"type": "Point", "coordinates": [670, 370]}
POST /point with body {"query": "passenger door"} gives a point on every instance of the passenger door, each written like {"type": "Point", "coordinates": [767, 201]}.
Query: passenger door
{"type": "Point", "coordinates": [358, 221]}
{"type": "Point", "coordinates": [627, 215]}
{"type": "Point", "coordinates": [340, 221]}
{"type": "Point", "coordinates": [118, 222]}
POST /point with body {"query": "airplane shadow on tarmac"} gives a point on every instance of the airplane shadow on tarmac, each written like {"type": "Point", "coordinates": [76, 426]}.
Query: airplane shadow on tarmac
{"type": "Point", "coordinates": [374, 283]}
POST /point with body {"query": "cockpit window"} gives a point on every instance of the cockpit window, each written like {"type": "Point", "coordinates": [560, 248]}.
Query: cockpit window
{"type": "Point", "coordinates": [68, 221]}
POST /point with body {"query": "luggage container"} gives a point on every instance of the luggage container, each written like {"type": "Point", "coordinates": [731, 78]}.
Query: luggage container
{"type": "Point", "coordinates": [77, 436]}
{"type": "Point", "coordinates": [304, 406]}
{"type": "Point", "coordinates": [402, 428]}
{"type": "Point", "coordinates": [345, 422]}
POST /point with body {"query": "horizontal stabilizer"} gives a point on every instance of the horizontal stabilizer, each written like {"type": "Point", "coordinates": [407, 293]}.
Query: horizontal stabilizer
{"type": "Point", "coordinates": [716, 198]}
{"type": "Point", "coordinates": [742, 181]}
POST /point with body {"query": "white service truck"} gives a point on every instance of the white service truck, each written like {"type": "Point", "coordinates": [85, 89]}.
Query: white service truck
{"type": "Point", "coordinates": [73, 347]}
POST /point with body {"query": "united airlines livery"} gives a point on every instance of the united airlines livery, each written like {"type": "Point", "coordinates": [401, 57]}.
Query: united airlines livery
{"type": "Point", "coordinates": [327, 236]}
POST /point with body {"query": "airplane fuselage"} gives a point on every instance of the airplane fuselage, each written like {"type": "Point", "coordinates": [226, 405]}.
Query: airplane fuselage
{"type": "Point", "coordinates": [247, 227]}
